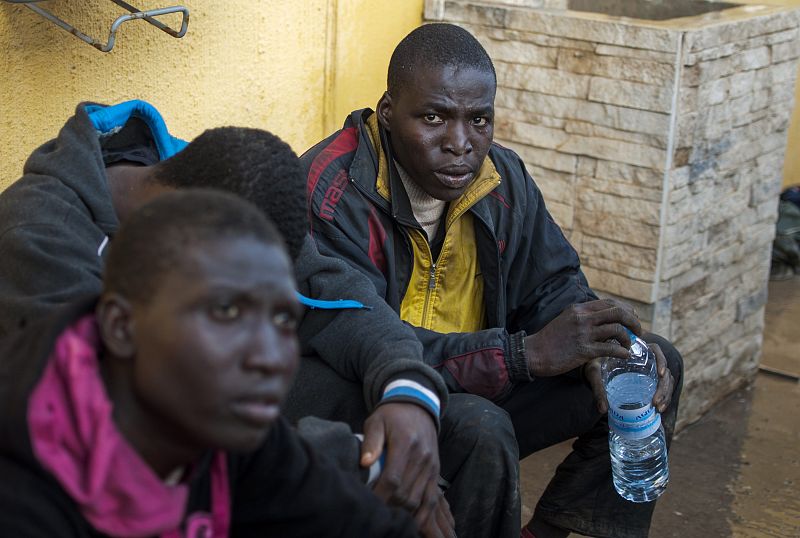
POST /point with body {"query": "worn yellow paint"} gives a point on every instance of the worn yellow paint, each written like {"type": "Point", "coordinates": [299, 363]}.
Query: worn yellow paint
{"type": "Point", "coordinates": [367, 33]}
{"type": "Point", "coordinates": [290, 66]}
{"type": "Point", "coordinates": [791, 168]}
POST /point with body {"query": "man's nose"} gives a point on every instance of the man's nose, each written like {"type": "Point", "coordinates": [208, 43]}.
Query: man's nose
{"type": "Point", "coordinates": [269, 351]}
{"type": "Point", "coordinates": [457, 138]}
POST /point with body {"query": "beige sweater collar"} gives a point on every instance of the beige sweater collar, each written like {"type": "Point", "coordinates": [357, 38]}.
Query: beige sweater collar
{"type": "Point", "coordinates": [427, 209]}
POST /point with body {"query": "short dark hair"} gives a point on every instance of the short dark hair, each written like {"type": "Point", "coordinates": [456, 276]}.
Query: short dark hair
{"type": "Point", "coordinates": [153, 238]}
{"type": "Point", "coordinates": [436, 45]}
{"type": "Point", "coordinates": [252, 163]}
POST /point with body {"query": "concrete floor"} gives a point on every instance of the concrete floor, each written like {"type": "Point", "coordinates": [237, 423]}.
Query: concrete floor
{"type": "Point", "coordinates": [736, 471]}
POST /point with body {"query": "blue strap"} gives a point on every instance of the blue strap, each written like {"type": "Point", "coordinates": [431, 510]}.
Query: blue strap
{"type": "Point", "coordinates": [341, 304]}
{"type": "Point", "coordinates": [108, 118]}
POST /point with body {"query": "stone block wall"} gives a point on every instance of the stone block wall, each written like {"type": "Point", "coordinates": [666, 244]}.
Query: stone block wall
{"type": "Point", "coordinates": [659, 148]}
{"type": "Point", "coordinates": [736, 99]}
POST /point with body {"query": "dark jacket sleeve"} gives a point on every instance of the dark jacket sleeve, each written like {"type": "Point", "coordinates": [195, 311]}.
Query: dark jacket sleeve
{"type": "Point", "coordinates": [487, 363]}
{"type": "Point", "coordinates": [42, 268]}
{"type": "Point", "coordinates": [34, 506]}
{"type": "Point", "coordinates": [371, 346]}
{"type": "Point", "coordinates": [286, 489]}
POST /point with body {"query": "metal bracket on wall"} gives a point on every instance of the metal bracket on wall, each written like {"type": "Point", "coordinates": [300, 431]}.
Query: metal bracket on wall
{"type": "Point", "coordinates": [135, 13]}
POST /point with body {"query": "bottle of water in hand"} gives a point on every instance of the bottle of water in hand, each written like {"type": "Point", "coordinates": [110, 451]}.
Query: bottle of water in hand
{"type": "Point", "coordinates": [636, 436]}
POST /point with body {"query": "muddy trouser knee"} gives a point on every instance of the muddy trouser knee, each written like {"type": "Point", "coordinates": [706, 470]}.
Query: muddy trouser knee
{"type": "Point", "coordinates": [480, 461]}
{"type": "Point", "coordinates": [477, 450]}
{"type": "Point", "coordinates": [581, 496]}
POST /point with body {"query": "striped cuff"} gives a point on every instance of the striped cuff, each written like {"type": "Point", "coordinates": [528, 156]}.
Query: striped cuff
{"type": "Point", "coordinates": [405, 388]}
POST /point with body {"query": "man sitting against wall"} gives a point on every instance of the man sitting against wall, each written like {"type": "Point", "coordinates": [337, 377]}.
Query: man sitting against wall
{"type": "Point", "coordinates": [454, 234]}
{"type": "Point", "coordinates": [153, 409]}
{"type": "Point", "coordinates": [56, 223]}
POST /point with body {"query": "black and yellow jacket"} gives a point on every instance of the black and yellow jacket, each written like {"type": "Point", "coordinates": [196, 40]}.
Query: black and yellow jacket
{"type": "Point", "coordinates": [505, 268]}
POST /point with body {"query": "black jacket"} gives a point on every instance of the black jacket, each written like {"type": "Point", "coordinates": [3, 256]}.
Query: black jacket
{"type": "Point", "coordinates": [56, 222]}
{"type": "Point", "coordinates": [281, 489]}
{"type": "Point", "coordinates": [531, 273]}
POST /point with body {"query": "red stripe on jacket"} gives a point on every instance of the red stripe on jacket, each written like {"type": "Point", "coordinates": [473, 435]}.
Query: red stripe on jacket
{"type": "Point", "coordinates": [499, 196]}
{"type": "Point", "coordinates": [345, 142]}
{"type": "Point", "coordinates": [482, 371]}
{"type": "Point", "coordinates": [377, 237]}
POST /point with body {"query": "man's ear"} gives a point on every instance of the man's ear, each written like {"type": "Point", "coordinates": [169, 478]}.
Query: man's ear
{"type": "Point", "coordinates": [385, 110]}
{"type": "Point", "coordinates": [114, 316]}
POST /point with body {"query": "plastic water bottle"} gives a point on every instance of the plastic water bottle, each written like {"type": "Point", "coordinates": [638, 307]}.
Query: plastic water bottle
{"type": "Point", "coordinates": [636, 437]}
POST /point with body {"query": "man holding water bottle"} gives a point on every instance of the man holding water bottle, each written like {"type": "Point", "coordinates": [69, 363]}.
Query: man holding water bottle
{"type": "Point", "coordinates": [455, 235]}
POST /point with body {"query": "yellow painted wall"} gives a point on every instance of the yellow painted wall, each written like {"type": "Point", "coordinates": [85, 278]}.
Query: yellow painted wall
{"type": "Point", "coordinates": [295, 67]}
{"type": "Point", "coordinates": [791, 169]}
{"type": "Point", "coordinates": [367, 33]}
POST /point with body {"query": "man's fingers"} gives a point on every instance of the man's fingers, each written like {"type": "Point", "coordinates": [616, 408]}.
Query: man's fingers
{"type": "Point", "coordinates": [609, 311]}
{"type": "Point", "coordinates": [595, 380]}
{"type": "Point", "coordinates": [661, 361]}
{"type": "Point", "coordinates": [663, 395]}
{"type": "Point", "coordinates": [411, 456]}
{"type": "Point", "coordinates": [608, 349]}
{"type": "Point", "coordinates": [618, 314]}
{"type": "Point", "coordinates": [444, 519]}
{"type": "Point", "coordinates": [434, 517]}
{"type": "Point", "coordinates": [610, 331]}
{"type": "Point", "coordinates": [605, 304]}
{"type": "Point", "coordinates": [426, 519]}
{"type": "Point", "coordinates": [444, 510]}
{"type": "Point", "coordinates": [412, 485]}
{"type": "Point", "coordinates": [598, 305]}
{"type": "Point", "coordinates": [413, 500]}
{"type": "Point", "coordinates": [624, 306]}
{"type": "Point", "coordinates": [391, 479]}
{"type": "Point", "coordinates": [374, 440]}
{"type": "Point", "coordinates": [396, 484]}
{"type": "Point", "coordinates": [426, 508]}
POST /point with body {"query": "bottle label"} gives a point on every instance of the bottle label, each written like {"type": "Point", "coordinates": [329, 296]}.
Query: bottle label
{"type": "Point", "coordinates": [634, 423]}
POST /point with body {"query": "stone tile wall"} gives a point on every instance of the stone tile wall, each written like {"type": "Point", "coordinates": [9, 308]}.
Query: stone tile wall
{"type": "Point", "coordinates": [659, 151]}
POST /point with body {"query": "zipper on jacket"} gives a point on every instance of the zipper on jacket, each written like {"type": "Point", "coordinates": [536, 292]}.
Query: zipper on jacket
{"type": "Point", "coordinates": [429, 292]}
{"type": "Point", "coordinates": [421, 243]}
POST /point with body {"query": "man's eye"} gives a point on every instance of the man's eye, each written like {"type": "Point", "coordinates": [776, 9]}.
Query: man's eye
{"type": "Point", "coordinates": [479, 122]}
{"type": "Point", "coordinates": [284, 320]}
{"type": "Point", "coordinates": [433, 118]}
{"type": "Point", "coordinates": [225, 312]}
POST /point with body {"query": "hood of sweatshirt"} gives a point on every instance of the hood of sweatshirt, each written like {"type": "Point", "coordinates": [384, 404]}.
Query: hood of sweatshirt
{"type": "Point", "coordinates": [75, 156]}
{"type": "Point", "coordinates": [60, 424]}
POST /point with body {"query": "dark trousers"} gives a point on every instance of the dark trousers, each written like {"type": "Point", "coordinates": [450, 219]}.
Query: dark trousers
{"type": "Point", "coordinates": [480, 444]}
{"type": "Point", "coordinates": [477, 448]}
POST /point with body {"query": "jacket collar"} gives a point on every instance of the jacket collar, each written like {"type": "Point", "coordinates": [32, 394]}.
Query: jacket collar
{"type": "Point", "coordinates": [373, 159]}
{"type": "Point", "coordinates": [73, 436]}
